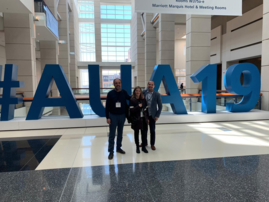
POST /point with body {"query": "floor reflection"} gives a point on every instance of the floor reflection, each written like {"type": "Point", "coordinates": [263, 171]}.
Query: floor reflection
{"type": "Point", "coordinates": [24, 154]}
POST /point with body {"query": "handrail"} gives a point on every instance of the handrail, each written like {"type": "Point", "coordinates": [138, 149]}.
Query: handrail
{"type": "Point", "coordinates": [100, 88]}
{"type": "Point", "coordinates": [17, 93]}
{"type": "Point", "coordinates": [29, 99]}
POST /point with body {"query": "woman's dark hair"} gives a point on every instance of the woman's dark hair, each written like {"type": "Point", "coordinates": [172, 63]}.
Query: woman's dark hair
{"type": "Point", "coordinates": [141, 94]}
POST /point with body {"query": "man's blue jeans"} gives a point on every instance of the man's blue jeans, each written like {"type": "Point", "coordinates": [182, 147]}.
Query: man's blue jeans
{"type": "Point", "coordinates": [117, 122]}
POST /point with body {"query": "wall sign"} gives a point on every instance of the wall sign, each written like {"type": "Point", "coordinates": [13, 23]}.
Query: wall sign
{"type": "Point", "coordinates": [250, 89]}
{"type": "Point", "coordinates": [193, 7]}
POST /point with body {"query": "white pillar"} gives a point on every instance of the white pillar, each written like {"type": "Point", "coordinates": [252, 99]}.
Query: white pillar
{"type": "Point", "coordinates": [2, 54]}
{"type": "Point", "coordinates": [73, 57]}
{"type": "Point", "coordinates": [138, 50]}
{"type": "Point", "coordinates": [20, 49]}
{"type": "Point", "coordinates": [198, 30]}
{"type": "Point", "coordinates": [265, 57]}
{"type": "Point", "coordinates": [97, 25]}
{"type": "Point", "coordinates": [49, 55]}
{"type": "Point", "coordinates": [150, 47]}
{"type": "Point", "coordinates": [166, 42]}
{"type": "Point", "coordinates": [64, 49]}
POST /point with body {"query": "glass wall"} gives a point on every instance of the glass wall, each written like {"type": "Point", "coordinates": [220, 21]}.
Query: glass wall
{"type": "Point", "coordinates": [87, 42]}
{"type": "Point", "coordinates": [86, 9]}
{"type": "Point", "coordinates": [109, 76]}
{"type": "Point", "coordinates": [116, 42]}
{"type": "Point", "coordinates": [115, 30]}
{"type": "Point", "coordinates": [84, 81]}
{"type": "Point", "coordinates": [116, 12]}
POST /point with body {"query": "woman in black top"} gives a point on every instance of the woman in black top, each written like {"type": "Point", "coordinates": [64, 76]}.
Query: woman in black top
{"type": "Point", "coordinates": [139, 117]}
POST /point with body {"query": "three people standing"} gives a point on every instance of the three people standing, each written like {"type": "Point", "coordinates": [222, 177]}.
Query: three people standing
{"type": "Point", "coordinates": [145, 108]}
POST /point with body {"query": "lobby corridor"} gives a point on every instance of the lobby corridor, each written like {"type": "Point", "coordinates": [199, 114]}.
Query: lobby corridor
{"type": "Point", "coordinates": [193, 162]}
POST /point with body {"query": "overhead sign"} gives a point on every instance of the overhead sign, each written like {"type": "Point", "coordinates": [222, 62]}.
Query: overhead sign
{"type": "Point", "coordinates": [193, 7]}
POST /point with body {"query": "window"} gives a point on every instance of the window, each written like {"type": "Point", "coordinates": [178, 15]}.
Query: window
{"type": "Point", "coordinates": [116, 12]}
{"type": "Point", "coordinates": [110, 75]}
{"type": "Point", "coordinates": [180, 72]}
{"type": "Point", "coordinates": [116, 41]}
{"type": "Point", "coordinates": [87, 42]}
{"type": "Point", "coordinates": [86, 9]}
{"type": "Point", "coordinates": [84, 78]}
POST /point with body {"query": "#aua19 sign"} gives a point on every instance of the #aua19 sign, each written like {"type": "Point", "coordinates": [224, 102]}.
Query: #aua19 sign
{"type": "Point", "coordinates": [250, 90]}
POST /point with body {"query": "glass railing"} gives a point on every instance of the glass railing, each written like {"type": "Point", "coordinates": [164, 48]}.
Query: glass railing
{"type": "Point", "coordinates": [18, 106]}
{"type": "Point", "coordinates": [85, 91]}
{"type": "Point", "coordinates": [191, 102]}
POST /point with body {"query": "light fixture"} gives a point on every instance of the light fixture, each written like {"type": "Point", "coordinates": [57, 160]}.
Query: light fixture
{"type": "Point", "coordinates": [62, 42]}
{"type": "Point", "coordinates": [36, 18]}
{"type": "Point", "coordinates": [72, 53]}
{"type": "Point", "coordinates": [184, 37]}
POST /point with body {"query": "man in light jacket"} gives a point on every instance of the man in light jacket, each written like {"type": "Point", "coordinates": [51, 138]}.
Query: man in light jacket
{"type": "Point", "coordinates": [155, 106]}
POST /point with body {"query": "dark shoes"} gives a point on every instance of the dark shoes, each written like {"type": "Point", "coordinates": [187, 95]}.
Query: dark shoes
{"type": "Point", "coordinates": [145, 150]}
{"type": "Point", "coordinates": [142, 145]}
{"type": "Point", "coordinates": [153, 147]}
{"type": "Point", "coordinates": [120, 151]}
{"type": "Point", "coordinates": [110, 156]}
{"type": "Point", "coordinates": [137, 150]}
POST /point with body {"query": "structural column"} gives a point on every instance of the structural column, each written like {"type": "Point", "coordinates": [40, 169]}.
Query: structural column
{"type": "Point", "coordinates": [265, 57]}
{"type": "Point", "coordinates": [20, 49]}
{"type": "Point", "coordinates": [64, 46]}
{"type": "Point", "coordinates": [138, 50]}
{"type": "Point", "coordinates": [49, 55]}
{"type": "Point", "coordinates": [198, 30]}
{"type": "Point", "coordinates": [140, 57]}
{"type": "Point", "coordinates": [167, 41]}
{"type": "Point", "coordinates": [2, 49]}
{"type": "Point", "coordinates": [73, 58]}
{"type": "Point", "coordinates": [97, 25]}
{"type": "Point", "coordinates": [150, 47]}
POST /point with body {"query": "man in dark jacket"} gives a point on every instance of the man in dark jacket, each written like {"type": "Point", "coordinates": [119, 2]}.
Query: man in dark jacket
{"type": "Point", "coordinates": [115, 113]}
{"type": "Point", "coordinates": [154, 100]}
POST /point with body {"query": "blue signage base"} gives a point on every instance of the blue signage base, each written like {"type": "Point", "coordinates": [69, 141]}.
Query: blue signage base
{"type": "Point", "coordinates": [61, 122]}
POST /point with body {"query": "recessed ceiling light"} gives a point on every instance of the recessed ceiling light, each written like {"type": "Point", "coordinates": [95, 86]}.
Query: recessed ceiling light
{"type": "Point", "coordinates": [62, 42]}
{"type": "Point", "coordinates": [184, 37]}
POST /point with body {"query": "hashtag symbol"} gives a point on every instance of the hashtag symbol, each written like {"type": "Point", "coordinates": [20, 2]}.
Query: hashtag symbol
{"type": "Point", "coordinates": [9, 85]}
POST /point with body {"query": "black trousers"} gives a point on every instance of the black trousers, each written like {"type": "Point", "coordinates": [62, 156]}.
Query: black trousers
{"type": "Point", "coordinates": [143, 133]}
{"type": "Point", "coordinates": [152, 126]}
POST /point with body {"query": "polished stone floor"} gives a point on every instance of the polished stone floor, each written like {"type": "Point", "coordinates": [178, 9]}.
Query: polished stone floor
{"type": "Point", "coordinates": [242, 178]}
{"type": "Point", "coordinates": [225, 161]}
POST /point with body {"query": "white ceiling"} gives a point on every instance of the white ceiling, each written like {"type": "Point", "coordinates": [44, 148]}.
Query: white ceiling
{"type": "Point", "coordinates": [16, 6]}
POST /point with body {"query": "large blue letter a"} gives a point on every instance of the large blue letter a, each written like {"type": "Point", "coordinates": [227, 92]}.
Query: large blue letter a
{"type": "Point", "coordinates": [41, 99]}
{"type": "Point", "coordinates": [173, 97]}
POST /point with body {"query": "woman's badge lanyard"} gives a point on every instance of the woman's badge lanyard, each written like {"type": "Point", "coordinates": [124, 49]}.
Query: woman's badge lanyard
{"type": "Point", "coordinates": [141, 112]}
{"type": "Point", "coordinates": [118, 104]}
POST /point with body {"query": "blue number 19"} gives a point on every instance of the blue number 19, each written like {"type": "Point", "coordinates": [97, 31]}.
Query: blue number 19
{"type": "Point", "coordinates": [250, 89]}
{"type": "Point", "coordinates": [208, 76]}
